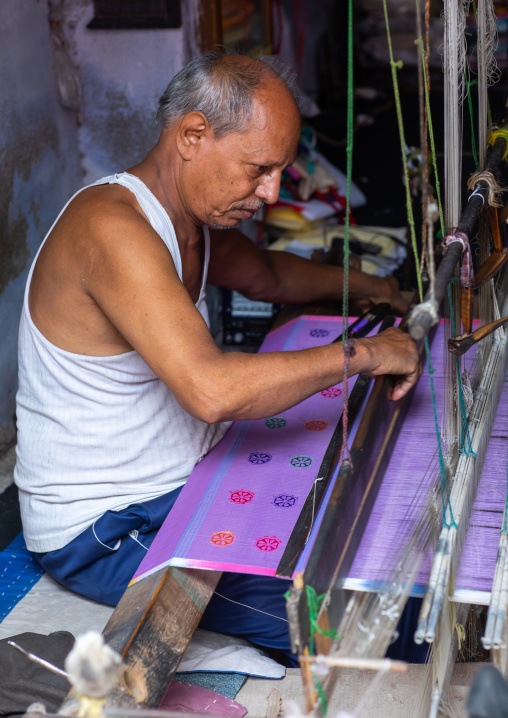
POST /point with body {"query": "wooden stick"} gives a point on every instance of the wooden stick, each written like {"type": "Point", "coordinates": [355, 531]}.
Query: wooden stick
{"type": "Point", "coordinates": [367, 664]}
{"type": "Point", "coordinates": [496, 234]}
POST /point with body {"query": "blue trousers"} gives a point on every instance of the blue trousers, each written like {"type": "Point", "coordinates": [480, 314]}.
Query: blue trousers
{"type": "Point", "coordinates": [100, 562]}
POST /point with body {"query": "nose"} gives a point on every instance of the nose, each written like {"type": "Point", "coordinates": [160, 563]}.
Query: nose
{"type": "Point", "coordinates": [269, 187]}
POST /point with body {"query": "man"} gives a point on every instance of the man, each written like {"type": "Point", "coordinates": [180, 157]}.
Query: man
{"type": "Point", "coordinates": [122, 389]}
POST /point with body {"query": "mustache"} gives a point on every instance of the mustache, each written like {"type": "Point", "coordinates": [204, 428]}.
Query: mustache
{"type": "Point", "coordinates": [250, 207]}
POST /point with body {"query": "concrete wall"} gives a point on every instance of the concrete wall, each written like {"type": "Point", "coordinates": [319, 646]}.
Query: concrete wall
{"type": "Point", "coordinates": [39, 163]}
{"type": "Point", "coordinates": [122, 73]}
{"type": "Point", "coordinates": [46, 151]}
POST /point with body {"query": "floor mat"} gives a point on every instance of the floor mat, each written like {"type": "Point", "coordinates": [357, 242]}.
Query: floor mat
{"type": "Point", "coordinates": [19, 572]}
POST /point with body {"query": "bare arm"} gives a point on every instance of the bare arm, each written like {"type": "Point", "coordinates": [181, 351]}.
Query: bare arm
{"type": "Point", "coordinates": [133, 280]}
{"type": "Point", "coordinates": [282, 277]}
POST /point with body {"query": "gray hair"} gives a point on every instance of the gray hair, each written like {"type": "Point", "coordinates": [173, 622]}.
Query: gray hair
{"type": "Point", "coordinates": [222, 85]}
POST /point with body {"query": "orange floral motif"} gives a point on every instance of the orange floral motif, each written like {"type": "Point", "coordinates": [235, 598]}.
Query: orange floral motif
{"type": "Point", "coordinates": [223, 538]}
{"type": "Point", "coordinates": [316, 425]}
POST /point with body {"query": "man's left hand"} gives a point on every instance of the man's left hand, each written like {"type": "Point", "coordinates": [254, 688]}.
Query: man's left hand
{"type": "Point", "coordinates": [386, 289]}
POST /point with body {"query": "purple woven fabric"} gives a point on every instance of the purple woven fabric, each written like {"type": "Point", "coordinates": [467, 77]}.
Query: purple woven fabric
{"type": "Point", "coordinates": [240, 504]}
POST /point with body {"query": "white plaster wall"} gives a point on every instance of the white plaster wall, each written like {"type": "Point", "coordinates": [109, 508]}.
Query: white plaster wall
{"type": "Point", "coordinates": [39, 169]}
{"type": "Point", "coordinates": [122, 73]}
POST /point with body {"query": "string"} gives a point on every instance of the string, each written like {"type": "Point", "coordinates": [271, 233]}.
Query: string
{"type": "Point", "coordinates": [252, 608]}
{"type": "Point", "coordinates": [463, 414]}
{"type": "Point", "coordinates": [442, 469]}
{"type": "Point", "coordinates": [313, 505]}
{"type": "Point", "coordinates": [314, 603]}
{"type": "Point", "coordinates": [410, 218]}
{"type": "Point", "coordinates": [505, 512]}
{"type": "Point", "coordinates": [432, 142]}
{"type": "Point", "coordinates": [346, 346]}
{"type": "Point", "coordinates": [395, 66]}
{"type": "Point", "coordinates": [469, 84]}
{"type": "Point", "coordinates": [349, 176]}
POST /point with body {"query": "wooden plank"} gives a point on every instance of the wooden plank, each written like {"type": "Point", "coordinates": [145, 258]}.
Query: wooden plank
{"type": "Point", "coordinates": [153, 624]}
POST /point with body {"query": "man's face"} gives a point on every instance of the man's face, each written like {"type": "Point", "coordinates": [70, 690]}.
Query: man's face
{"type": "Point", "coordinates": [231, 178]}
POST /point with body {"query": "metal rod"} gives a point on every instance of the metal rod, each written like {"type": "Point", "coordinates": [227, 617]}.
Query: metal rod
{"type": "Point", "coordinates": [40, 661]}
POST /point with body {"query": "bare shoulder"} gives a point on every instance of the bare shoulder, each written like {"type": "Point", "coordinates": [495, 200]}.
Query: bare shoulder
{"type": "Point", "coordinates": [101, 244]}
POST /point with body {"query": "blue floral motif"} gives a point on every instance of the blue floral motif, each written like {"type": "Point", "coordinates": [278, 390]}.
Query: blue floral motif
{"type": "Point", "coordinates": [276, 422]}
{"type": "Point", "coordinates": [319, 332]}
{"type": "Point", "coordinates": [301, 461]}
{"type": "Point", "coordinates": [259, 457]}
{"type": "Point", "coordinates": [284, 501]}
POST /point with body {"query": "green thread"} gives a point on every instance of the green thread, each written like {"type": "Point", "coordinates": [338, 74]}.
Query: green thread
{"type": "Point", "coordinates": [349, 173]}
{"type": "Point", "coordinates": [471, 118]}
{"type": "Point", "coordinates": [432, 142]}
{"type": "Point", "coordinates": [394, 67]}
{"type": "Point", "coordinates": [322, 697]}
{"type": "Point", "coordinates": [442, 472]}
{"type": "Point", "coordinates": [464, 425]}
{"type": "Point", "coordinates": [314, 603]}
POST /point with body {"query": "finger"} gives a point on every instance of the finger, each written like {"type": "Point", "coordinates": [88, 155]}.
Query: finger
{"type": "Point", "coordinates": [402, 385]}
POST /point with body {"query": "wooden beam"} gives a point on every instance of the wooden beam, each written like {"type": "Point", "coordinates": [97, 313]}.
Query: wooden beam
{"type": "Point", "coordinates": [153, 624]}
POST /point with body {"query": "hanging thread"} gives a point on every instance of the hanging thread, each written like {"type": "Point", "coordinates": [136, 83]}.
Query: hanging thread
{"type": "Point", "coordinates": [394, 67]}
{"type": "Point", "coordinates": [466, 437]}
{"type": "Point", "coordinates": [442, 470]}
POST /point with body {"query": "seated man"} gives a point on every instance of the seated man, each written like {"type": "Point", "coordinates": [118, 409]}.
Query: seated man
{"type": "Point", "coordinates": [122, 389]}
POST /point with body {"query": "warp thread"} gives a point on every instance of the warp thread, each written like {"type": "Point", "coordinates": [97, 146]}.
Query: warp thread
{"type": "Point", "coordinates": [493, 186]}
{"type": "Point", "coordinates": [466, 437]}
{"type": "Point", "coordinates": [466, 269]}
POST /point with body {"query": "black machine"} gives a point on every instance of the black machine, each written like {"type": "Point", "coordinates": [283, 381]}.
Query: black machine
{"type": "Point", "coordinates": [245, 322]}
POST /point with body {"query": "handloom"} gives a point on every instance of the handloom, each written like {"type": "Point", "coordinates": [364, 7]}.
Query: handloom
{"type": "Point", "coordinates": [395, 518]}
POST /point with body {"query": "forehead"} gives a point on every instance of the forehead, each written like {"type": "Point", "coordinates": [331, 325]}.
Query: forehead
{"type": "Point", "coordinates": [272, 132]}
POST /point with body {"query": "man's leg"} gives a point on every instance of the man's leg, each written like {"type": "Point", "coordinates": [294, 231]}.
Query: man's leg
{"type": "Point", "coordinates": [100, 562]}
{"type": "Point", "coordinates": [253, 607]}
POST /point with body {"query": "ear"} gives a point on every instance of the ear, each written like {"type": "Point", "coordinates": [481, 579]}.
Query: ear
{"type": "Point", "coordinates": [193, 129]}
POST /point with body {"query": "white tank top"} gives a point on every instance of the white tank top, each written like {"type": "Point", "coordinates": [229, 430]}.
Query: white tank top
{"type": "Point", "coordinates": [99, 433]}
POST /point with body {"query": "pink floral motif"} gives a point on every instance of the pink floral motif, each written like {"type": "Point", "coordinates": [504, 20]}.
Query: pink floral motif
{"type": "Point", "coordinates": [222, 538]}
{"type": "Point", "coordinates": [241, 496]}
{"type": "Point", "coordinates": [332, 393]}
{"type": "Point", "coordinates": [268, 543]}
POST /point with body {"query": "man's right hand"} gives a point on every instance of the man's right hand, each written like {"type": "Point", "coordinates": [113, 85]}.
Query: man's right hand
{"type": "Point", "coordinates": [392, 352]}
